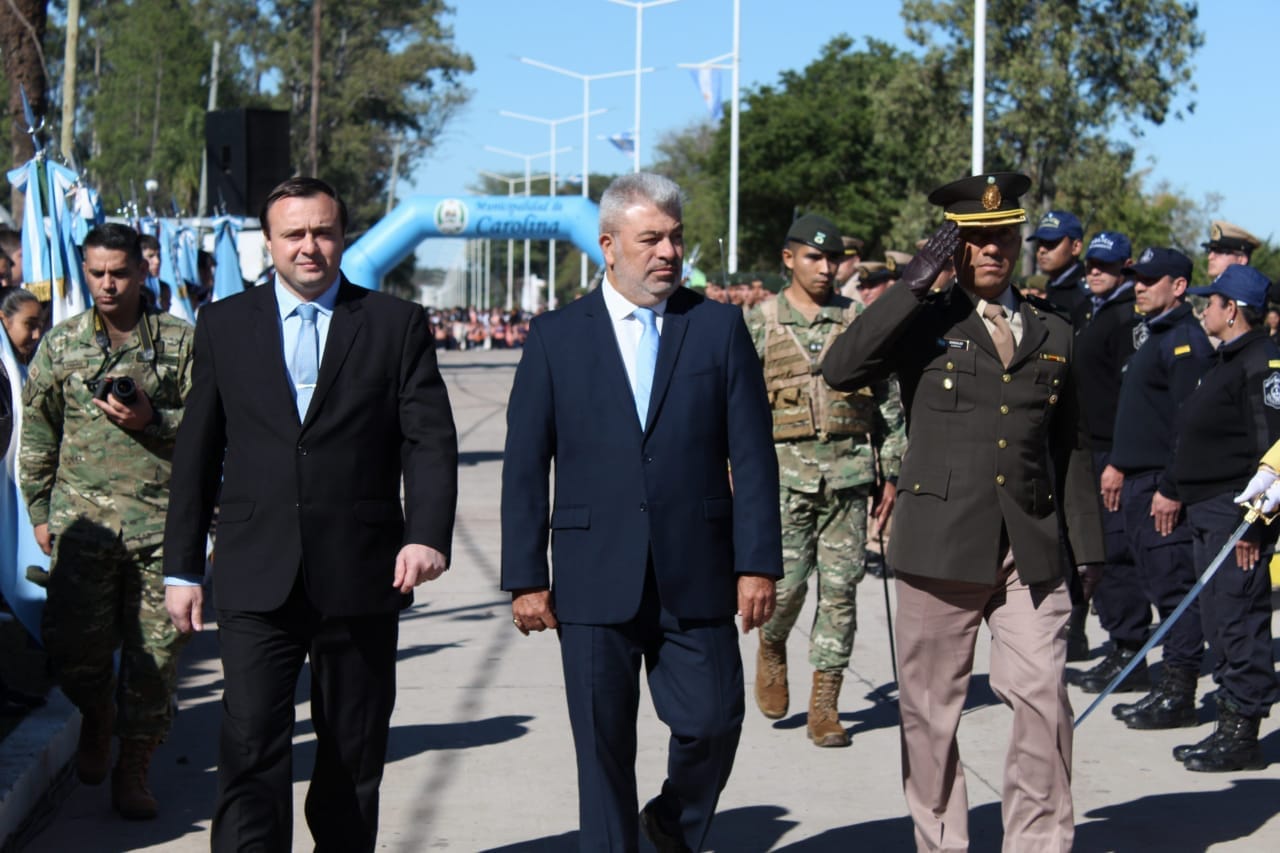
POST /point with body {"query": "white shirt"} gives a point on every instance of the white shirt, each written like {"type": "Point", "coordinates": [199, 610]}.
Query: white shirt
{"type": "Point", "coordinates": [627, 328]}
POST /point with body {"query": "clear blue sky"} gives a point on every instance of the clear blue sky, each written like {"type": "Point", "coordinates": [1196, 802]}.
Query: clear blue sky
{"type": "Point", "coordinates": [1227, 147]}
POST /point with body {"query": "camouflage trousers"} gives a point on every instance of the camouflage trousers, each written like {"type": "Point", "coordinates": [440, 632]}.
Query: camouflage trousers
{"type": "Point", "coordinates": [104, 597]}
{"type": "Point", "coordinates": [826, 532]}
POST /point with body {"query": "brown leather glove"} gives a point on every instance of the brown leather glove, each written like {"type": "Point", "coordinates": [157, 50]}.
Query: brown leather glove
{"type": "Point", "coordinates": [932, 257]}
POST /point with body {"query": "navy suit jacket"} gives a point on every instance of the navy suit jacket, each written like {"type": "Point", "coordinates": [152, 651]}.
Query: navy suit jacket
{"type": "Point", "coordinates": [623, 493]}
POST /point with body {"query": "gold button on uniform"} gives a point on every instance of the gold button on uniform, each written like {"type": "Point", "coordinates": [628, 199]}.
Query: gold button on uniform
{"type": "Point", "coordinates": [999, 479]}
{"type": "Point", "coordinates": [1053, 398]}
{"type": "Point", "coordinates": [915, 487]}
{"type": "Point", "coordinates": [1004, 410]}
{"type": "Point", "coordinates": [1002, 444]}
{"type": "Point", "coordinates": [1057, 382]}
{"type": "Point", "coordinates": [1006, 378]}
{"type": "Point", "coordinates": [951, 365]}
{"type": "Point", "coordinates": [948, 384]}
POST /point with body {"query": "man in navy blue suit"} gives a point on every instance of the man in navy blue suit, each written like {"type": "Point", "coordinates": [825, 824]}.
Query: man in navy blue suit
{"type": "Point", "coordinates": [645, 395]}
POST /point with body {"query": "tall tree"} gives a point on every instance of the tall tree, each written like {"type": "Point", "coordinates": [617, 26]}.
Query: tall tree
{"type": "Point", "coordinates": [1059, 73]}
{"type": "Point", "coordinates": [22, 31]}
{"type": "Point", "coordinates": [391, 74]}
{"type": "Point", "coordinates": [145, 68]}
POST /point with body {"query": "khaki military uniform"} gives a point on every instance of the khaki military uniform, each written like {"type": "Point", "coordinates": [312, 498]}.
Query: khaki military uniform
{"type": "Point", "coordinates": [103, 491]}
{"type": "Point", "coordinates": [827, 444]}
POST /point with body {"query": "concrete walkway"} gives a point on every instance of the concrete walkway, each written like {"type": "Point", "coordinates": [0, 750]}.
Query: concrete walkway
{"type": "Point", "coordinates": [481, 756]}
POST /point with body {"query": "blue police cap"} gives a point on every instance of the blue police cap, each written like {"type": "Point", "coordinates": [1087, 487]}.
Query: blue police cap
{"type": "Point", "coordinates": [1109, 247]}
{"type": "Point", "coordinates": [1157, 262]}
{"type": "Point", "coordinates": [1242, 283]}
{"type": "Point", "coordinates": [1057, 224]}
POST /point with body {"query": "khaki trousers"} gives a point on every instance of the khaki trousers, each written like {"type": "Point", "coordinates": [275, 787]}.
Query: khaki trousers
{"type": "Point", "coordinates": [936, 629]}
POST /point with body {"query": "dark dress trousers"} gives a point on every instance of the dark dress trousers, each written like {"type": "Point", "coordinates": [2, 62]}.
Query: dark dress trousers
{"type": "Point", "coordinates": [647, 541]}
{"type": "Point", "coordinates": [310, 524]}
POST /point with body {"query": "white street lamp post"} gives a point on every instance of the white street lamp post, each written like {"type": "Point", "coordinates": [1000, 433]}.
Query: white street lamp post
{"type": "Point", "coordinates": [527, 158]}
{"type": "Point", "coordinates": [639, 7]}
{"type": "Point", "coordinates": [586, 124]}
{"type": "Point", "coordinates": [511, 247]}
{"type": "Point", "coordinates": [551, 123]}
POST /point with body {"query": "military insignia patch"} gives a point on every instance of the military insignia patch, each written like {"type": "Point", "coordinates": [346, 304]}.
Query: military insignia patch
{"type": "Point", "coordinates": [991, 195]}
{"type": "Point", "coordinates": [1271, 391]}
{"type": "Point", "coordinates": [950, 344]}
{"type": "Point", "coordinates": [1185, 349]}
{"type": "Point", "coordinates": [1140, 335]}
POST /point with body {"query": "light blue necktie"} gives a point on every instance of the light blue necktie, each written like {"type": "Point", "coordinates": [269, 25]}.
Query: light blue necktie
{"type": "Point", "coordinates": [305, 366]}
{"type": "Point", "coordinates": [646, 361]}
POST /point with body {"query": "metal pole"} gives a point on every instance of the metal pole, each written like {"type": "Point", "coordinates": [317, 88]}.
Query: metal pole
{"type": "Point", "coordinates": [586, 168]}
{"type": "Point", "coordinates": [203, 200]}
{"type": "Point", "coordinates": [979, 82]}
{"type": "Point", "coordinates": [733, 139]}
{"type": "Point", "coordinates": [551, 251]}
{"type": "Point", "coordinates": [313, 138]}
{"type": "Point", "coordinates": [639, 41]}
{"type": "Point", "coordinates": [525, 288]}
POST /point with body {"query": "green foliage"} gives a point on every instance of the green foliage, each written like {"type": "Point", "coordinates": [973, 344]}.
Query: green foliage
{"type": "Point", "coordinates": [140, 71]}
{"type": "Point", "coordinates": [390, 76]}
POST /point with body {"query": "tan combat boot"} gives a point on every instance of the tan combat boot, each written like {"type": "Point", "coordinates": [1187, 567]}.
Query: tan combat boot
{"type": "Point", "coordinates": [93, 753]}
{"type": "Point", "coordinates": [771, 679]}
{"type": "Point", "coordinates": [824, 719]}
{"type": "Point", "coordinates": [129, 793]}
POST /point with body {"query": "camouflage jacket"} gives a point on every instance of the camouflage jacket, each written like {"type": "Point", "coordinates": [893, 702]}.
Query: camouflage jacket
{"type": "Point", "coordinates": [81, 473]}
{"type": "Point", "coordinates": [805, 464]}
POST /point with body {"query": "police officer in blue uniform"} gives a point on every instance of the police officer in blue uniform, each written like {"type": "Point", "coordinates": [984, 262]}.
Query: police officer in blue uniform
{"type": "Point", "coordinates": [1173, 353]}
{"type": "Point", "coordinates": [1059, 238]}
{"type": "Point", "coordinates": [1104, 327]}
{"type": "Point", "coordinates": [1228, 422]}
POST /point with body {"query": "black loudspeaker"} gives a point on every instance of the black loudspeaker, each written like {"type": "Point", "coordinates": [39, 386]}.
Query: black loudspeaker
{"type": "Point", "coordinates": [248, 154]}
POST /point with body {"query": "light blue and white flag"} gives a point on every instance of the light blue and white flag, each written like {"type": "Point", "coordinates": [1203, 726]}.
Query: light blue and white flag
{"type": "Point", "coordinates": [179, 304]}
{"type": "Point", "coordinates": [36, 269]}
{"type": "Point", "coordinates": [70, 290]}
{"type": "Point", "coordinates": [226, 275]}
{"type": "Point", "coordinates": [708, 80]}
{"type": "Point", "coordinates": [18, 548]}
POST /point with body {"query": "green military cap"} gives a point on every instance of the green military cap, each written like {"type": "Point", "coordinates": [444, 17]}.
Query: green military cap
{"type": "Point", "coordinates": [982, 201]}
{"type": "Point", "coordinates": [852, 245]}
{"type": "Point", "coordinates": [816, 231]}
{"type": "Point", "coordinates": [773, 282]}
{"type": "Point", "coordinates": [1224, 236]}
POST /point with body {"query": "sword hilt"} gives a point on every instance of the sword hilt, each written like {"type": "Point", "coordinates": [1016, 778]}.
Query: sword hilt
{"type": "Point", "coordinates": [1254, 511]}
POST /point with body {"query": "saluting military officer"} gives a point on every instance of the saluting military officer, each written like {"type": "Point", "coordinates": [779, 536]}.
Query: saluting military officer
{"type": "Point", "coordinates": [103, 401]}
{"type": "Point", "coordinates": [991, 431]}
{"type": "Point", "coordinates": [826, 443]}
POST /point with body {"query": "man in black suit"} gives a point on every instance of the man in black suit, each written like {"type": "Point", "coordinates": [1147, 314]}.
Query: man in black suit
{"type": "Point", "coordinates": [644, 394]}
{"type": "Point", "coordinates": [310, 399]}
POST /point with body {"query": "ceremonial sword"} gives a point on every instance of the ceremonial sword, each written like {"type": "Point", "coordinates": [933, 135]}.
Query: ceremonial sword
{"type": "Point", "coordinates": [1252, 514]}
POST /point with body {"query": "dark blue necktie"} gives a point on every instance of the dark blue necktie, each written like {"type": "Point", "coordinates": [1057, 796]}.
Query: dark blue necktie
{"type": "Point", "coordinates": [646, 361]}
{"type": "Point", "coordinates": [305, 365]}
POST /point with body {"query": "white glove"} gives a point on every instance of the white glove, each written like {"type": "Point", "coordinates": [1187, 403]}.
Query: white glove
{"type": "Point", "coordinates": [1265, 482]}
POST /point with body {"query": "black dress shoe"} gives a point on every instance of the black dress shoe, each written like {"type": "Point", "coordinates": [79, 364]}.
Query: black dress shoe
{"type": "Point", "coordinates": [663, 837]}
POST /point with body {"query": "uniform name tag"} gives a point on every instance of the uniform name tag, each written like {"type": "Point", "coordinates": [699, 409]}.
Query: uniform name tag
{"type": "Point", "coordinates": [950, 344]}
{"type": "Point", "coordinates": [1185, 349]}
{"type": "Point", "coordinates": [1273, 363]}
{"type": "Point", "coordinates": [1049, 356]}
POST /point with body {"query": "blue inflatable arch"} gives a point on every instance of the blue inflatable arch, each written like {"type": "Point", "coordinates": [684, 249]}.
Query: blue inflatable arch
{"type": "Point", "coordinates": [420, 217]}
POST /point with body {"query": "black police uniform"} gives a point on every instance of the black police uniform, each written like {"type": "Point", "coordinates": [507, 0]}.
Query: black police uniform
{"type": "Point", "coordinates": [1105, 342]}
{"type": "Point", "coordinates": [1227, 424]}
{"type": "Point", "coordinates": [1172, 354]}
{"type": "Point", "coordinates": [1067, 290]}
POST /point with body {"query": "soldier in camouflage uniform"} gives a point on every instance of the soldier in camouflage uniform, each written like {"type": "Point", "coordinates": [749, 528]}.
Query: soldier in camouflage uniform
{"type": "Point", "coordinates": [827, 444]}
{"type": "Point", "coordinates": [95, 474]}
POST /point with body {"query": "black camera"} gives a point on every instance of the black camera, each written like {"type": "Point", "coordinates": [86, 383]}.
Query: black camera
{"type": "Point", "coordinates": [122, 388]}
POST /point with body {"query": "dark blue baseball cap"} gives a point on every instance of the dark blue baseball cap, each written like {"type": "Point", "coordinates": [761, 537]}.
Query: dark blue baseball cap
{"type": "Point", "coordinates": [1242, 283]}
{"type": "Point", "coordinates": [1057, 224]}
{"type": "Point", "coordinates": [1110, 247]}
{"type": "Point", "coordinates": [1157, 262]}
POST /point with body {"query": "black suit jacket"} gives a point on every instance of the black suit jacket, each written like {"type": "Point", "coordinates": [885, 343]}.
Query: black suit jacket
{"type": "Point", "coordinates": [989, 448]}
{"type": "Point", "coordinates": [623, 492]}
{"type": "Point", "coordinates": [321, 497]}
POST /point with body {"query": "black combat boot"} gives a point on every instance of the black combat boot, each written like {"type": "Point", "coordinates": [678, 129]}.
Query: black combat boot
{"type": "Point", "coordinates": [1077, 642]}
{"type": "Point", "coordinates": [1096, 680]}
{"type": "Point", "coordinates": [1236, 747]}
{"type": "Point", "coordinates": [1186, 750]}
{"type": "Point", "coordinates": [1174, 708]}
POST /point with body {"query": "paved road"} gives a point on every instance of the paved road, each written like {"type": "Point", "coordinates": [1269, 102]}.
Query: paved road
{"type": "Point", "coordinates": [481, 757]}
